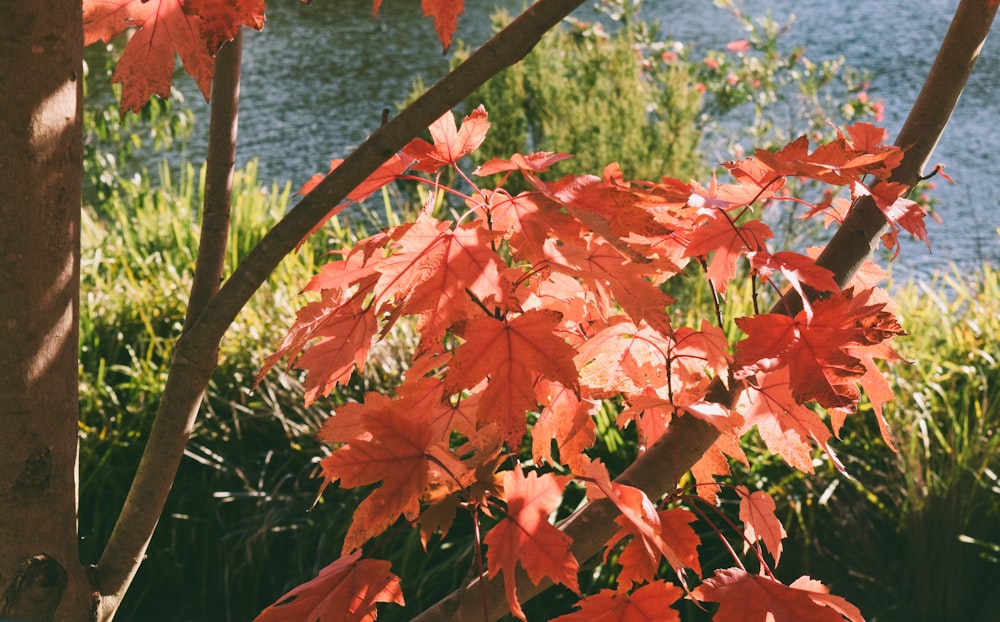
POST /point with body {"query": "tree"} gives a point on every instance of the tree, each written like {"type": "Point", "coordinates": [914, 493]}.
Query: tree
{"type": "Point", "coordinates": [40, 574]}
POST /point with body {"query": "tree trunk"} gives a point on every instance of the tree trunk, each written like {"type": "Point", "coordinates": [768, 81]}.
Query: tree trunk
{"type": "Point", "coordinates": [41, 49]}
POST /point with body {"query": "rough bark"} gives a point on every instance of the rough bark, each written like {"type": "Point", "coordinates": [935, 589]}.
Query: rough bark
{"type": "Point", "coordinates": [41, 51]}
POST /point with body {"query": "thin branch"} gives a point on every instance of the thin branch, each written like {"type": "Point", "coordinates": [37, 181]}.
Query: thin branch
{"type": "Point", "coordinates": [688, 438]}
{"type": "Point", "coordinates": [195, 357]}
{"type": "Point", "coordinates": [220, 162]}
{"type": "Point", "coordinates": [168, 438]}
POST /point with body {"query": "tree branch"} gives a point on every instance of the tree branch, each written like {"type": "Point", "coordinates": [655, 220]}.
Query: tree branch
{"type": "Point", "coordinates": [195, 354]}
{"type": "Point", "coordinates": [169, 435]}
{"type": "Point", "coordinates": [220, 161]}
{"type": "Point", "coordinates": [687, 439]}
{"type": "Point", "coordinates": [859, 234]}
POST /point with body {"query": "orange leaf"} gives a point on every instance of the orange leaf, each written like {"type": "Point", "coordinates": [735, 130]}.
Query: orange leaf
{"type": "Point", "coordinates": [567, 420]}
{"type": "Point", "coordinates": [727, 241]}
{"type": "Point", "coordinates": [745, 597]}
{"type": "Point", "coordinates": [511, 353]}
{"type": "Point", "coordinates": [461, 266]}
{"type": "Point", "coordinates": [785, 425]}
{"type": "Point", "coordinates": [526, 537]}
{"type": "Point", "coordinates": [798, 269]}
{"type": "Point", "coordinates": [604, 270]}
{"type": "Point", "coordinates": [451, 144]}
{"type": "Point", "coordinates": [388, 171]}
{"type": "Point", "coordinates": [537, 162]}
{"type": "Point", "coordinates": [146, 67]}
{"type": "Point", "coordinates": [759, 522]}
{"type": "Point", "coordinates": [345, 591]}
{"type": "Point", "coordinates": [395, 450]}
{"type": "Point", "coordinates": [345, 329]}
{"type": "Point", "coordinates": [640, 519]}
{"type": "Point", "coordinates": [445, 14]}
{"type": "Point", "coordinates": [816, 349]}
{"type": "Point", "coordinates": [649, 603]}
{"type": "Point", "coordinates": [221, 19]}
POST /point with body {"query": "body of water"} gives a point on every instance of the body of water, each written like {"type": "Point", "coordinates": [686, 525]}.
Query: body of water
{"type": "Point", "coordinates": [316, 79]}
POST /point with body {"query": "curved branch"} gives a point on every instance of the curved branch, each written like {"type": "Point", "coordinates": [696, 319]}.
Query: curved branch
{"type": "Point", "coordinates": [195, 357]}
{"type": "Point", "coordinates": [687, 439]}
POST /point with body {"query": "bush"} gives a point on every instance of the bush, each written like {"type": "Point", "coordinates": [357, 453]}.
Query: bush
{"type": "Point", "coordinates": [602, 97]}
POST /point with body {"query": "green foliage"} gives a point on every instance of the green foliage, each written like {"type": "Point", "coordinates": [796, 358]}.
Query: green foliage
{"type": "Point", "coordinates": [112, 139]}
{"type": "Point", "coordinates": [759, 94]}
{"type": "Point", "coordinates": [241, 496]}
{"type": "Point", "coordinates": [603, 97]}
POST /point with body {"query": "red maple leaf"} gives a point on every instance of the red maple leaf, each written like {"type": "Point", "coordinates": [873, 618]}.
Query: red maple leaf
{"type": "Point", "coordinates": [146, 67]}
{"type": "Point", "coordinates": [451, 143]}
{"type": "Point", "coordinates": [898, 210]}
{"type": "Point", "coordinates": [388, 171]}
{"type": "Point", "coordinates": [221, 19]}
{"type": "Point", "coordinates": [840, 162]}
{"type": "Point", "coordinates": [345, 329]}
{"type": "Point", "coordinates": [649, 603]}
{"type": "Point", "coordinates": [727, 241]}
{"type": "Point", "coordinates": [876, 387]}
{"type": "Point", "coordinates": [605, 271]}
{"type": "Point", "coordinates": [403, 451]}
{"type": "Point", "coordinates": [815, 349]}
{"type": "Point", "coordinates": [744, 597]}
{"type": "Point", "coordinates": [511, 353]}
{"type": "Point", "coordinates": [610, 207]}
{"type": "Point", "coordinates": [799, 269]}
{"type": "Point", "coordinates": [529, 221]}
{"type": "Point", "coordinates": [445, 13]}
{"type": "Point", "coordinates": [759, 522]}
{"type": "Point", "coordinates": [785, 425]}
{"type": "Point", "coordinates": [537, 162]}
{"type": "Point", "coordinates": [526, 538]}
{"type": "Point", "coordinates": [345, 591]}
{"type": "Point", "coordinates": [651, 538]}
{"type": "Point", "coordinates": [566, 420]}
{"type": "Point", "coordinates": [463, 270]}
{"type": "Point", "coordinates": [623, 358]}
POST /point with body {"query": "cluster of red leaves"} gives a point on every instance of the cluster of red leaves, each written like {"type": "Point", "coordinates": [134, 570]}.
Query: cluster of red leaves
{"type": "Point", "coordinates": [550, 301]}
{"type": "Point", "coordinates": [193, 30]}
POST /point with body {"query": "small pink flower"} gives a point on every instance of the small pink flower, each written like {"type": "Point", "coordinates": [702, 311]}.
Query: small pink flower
{"type": "Point", "coordinates": [879, 109]}
{"type": "Point", "coordinates": [741, 45]}
{"type": "Point", "coordinates": [711, 63]}
{"type": "Point", "coordinates": [863, 97]}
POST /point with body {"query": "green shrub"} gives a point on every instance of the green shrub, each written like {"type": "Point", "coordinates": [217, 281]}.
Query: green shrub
{"type": "Point", "coordinates": [602, 97]}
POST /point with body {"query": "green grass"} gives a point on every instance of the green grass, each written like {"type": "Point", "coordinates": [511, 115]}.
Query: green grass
{"type": "Point", "coordinates": [236, 531]}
